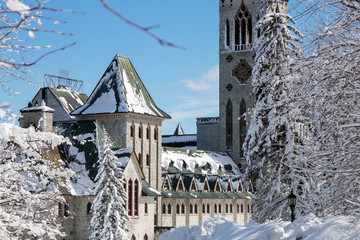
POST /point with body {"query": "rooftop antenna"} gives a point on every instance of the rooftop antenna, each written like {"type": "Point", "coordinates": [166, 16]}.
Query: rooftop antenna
{"type": "Point", "coordinates": [63, 82]}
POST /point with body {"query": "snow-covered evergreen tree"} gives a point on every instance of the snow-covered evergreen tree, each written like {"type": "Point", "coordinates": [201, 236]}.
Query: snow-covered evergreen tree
{"type": "Point", "coordinates": [28, 181]}
{"type": "Point", "coordinates": [274, 145]}
{"type": "Point", "coordinates": [110, 216]}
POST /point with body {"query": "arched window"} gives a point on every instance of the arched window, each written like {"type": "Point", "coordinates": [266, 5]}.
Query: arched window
{"type": "Point", "coordinates": [140, 159]}
{"type": "Point", "coordinates": [195, 208]}
{"type": "Point", "coordinates": [136, 198]}
{"type": "Point", "coordinates": [146, 208]}
{"type": "Point", "coordinates": [155, 134]}
{"type": "Point", "coordinates": [169, 208]}
{"type": "Point", "coordinates": [130, 199]}
{"type": "Point", "coordinates": [231, 208]}
{"type": "Point", "coordinates": [147, 160]}
{"type": "Point", "coordinates": [66, 210]}
{"type": "Point", "coordinates": [242, 126]}
{"type": "Point", "coordinates": [132, 130]}
{"type": "Point", "coordinates": [60, 209]}
{"type": "Point", "coordinates": [229, 126]}
{"type": "Point", "coordinates": [227, 208]}
{"type": "Point", "coordinates": [215, 208]}
{"type": "Point", "coordinates": [242, 208]}
{"type": "Point", "coordinates": [133, 237]}
{"type": "Point", "coordinates": [177, 209]}
{"type": "Point", "coordinates": [148, 133]}
{"type": "Point", "coordinates": [208, 208]}
{"type": "Point", "coordinates": [237, 208]}
{"type": "Point", "coordinates": [182, 209]}
{"type": "Point", "coordinates": [140, 132]}
{"type": "Point", "coordinates": [219, 208]}
{"type": "Point", "coordinates": [203, 208]}
{"type": "Point", "coordinates": [163, 208]}
{"type": "Point", "coordinates": [243, 29]}
{"type": "Point", "coordinates": [227, 32]}
{"type": "Point", "coordinates": [191, 208]}
{"type": "Point", "coordinates": [88, 208]}
{"type": "Point", "coordinates": [145, 237]}
{"type": "Point", "coordinates": [248, 208]}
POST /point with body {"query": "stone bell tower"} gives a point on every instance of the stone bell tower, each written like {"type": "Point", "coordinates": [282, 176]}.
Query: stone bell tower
{"type": "Point", "coordinates": [236, 58]}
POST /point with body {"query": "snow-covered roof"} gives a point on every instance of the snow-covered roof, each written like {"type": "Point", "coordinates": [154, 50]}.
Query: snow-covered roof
{"type": "Point", "coordinates": [38, 108]}
{"type": "Point", "coordinates": [68, 99]}
{"type": "Point", "coordinates": [193, 158]}
{"type": "Point", "coordinates": [179, 139]}
{"type": "Point", "coordinates": [120, 90]}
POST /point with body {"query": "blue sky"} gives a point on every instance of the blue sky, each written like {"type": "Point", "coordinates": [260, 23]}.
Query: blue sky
{"type": "Point", "coordinates": [184, 83]}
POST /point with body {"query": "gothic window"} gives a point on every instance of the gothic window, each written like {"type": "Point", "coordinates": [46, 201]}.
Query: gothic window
{"type": "Point", "coordinates": [140, 159]}
{"type": "Point", "coordinates": [148, 133]}
{"type": "Point", "coordinates": [193, 186]}
{"type": "Point", "coordinates": [147, 160]}
{"type": "Point", "coordinates": [166, 186]}
{"type": "Point", "coordinates": [177, 209]}
{"type": "Point", "coordinates": [227, 208]}
{"type": "Point", "coordinates": [130, 189]}
{"type": "Point", "coordinates": [180, 185]}
{"type": "Point", "coordinates": [191, 208]}
{"type": "Point", "coordinates": [227, 32]}
{"type": "Point", "coordinates": [132, 130]}
{"type": "Point", "coordinates": [133, 237]}
{"type": "Point", "coordinates": [231, 210]}
{"type": "Point", "coordinates": [155, 134]}
{"type": "Point", "coordinates": [182, 209]}
{"type": "Point", "coordinates": [208, 208]}
{"type": "Point", "coordinates": [203, 208]}
{"type": "Point", "coordinates": [242, 126]}
{"type": "Point", "coordinates": [60, 209]}
{"type": "Point", "coordinates": [206, 186]}
{"type": "Point", "coordinates": [136, 198]}
{"type": "Point", "coordinates": [146, 208]}
{"type": "Point", "coordinates": [215, 208]}
{"type": "Point", "coordinates": [229, 124]}
{"type": "Point", "coordinates": [228, 187]}
{"type": "Point", "coordinates": [242, 71]}
{"type": "Point", "coordinates": [258, 31]}
{"type": "Point", "coordinates": [219, 208]}
{"type": "Point", "coordinates": [238, 208]}
{"type": "Point", "coordinates": [163, 208]}
{"type": "Point", "coordinates": [242, 208]}
{"type": "Point", "coordinates": [88, 208]}
{"type": "Point", "coordinates": [217, 187]}
{"type": "Point", "coordinates": [243, 29]}
{"type": "Point", "coordinates": [140, 132]}
{"type": "Point", "coordinates": [248, 208]}
{"type": "Point", "coordinates": [145, 237]}
{"type": "Point", "coordinates": [169, 208]}
{"type": "Point", "coordinates": [66, 210]}
{"type": "Point", "coordinates": [195, 208]}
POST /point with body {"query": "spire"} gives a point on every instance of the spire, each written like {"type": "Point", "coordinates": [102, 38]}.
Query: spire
{"type": "Point", "coordinates": [179, 130]}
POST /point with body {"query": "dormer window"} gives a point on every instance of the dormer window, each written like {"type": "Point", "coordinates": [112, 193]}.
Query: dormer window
{"type": "Point", "coordinates": [193, 186]}
{"type": "Point", "coordinates": [217, 187]}
{"type": "Point", "coordinates": [180, 185]}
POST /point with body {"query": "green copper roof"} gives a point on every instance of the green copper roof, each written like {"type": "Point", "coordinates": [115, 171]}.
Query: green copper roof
{"type": "Point", "coordinates": [120, 90]}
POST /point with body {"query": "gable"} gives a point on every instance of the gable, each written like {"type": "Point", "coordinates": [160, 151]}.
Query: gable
{"type": "Point", "coordinates": [120, 90]}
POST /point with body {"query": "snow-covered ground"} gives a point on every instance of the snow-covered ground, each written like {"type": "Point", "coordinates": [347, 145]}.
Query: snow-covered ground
{"type": "Point", "coordinates": [306, 228]}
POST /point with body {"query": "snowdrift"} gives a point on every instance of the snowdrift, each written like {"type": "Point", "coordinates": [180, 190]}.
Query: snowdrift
{"type": "Point", "coordinates": [305, 228]}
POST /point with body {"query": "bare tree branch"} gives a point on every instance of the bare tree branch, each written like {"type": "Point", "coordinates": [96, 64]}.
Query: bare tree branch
{"type": "Point", "coordinates": [145, 29]}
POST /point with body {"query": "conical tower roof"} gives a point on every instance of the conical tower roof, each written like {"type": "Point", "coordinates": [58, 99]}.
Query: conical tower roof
{"type": "Point", "coordinates": [179, 130]}
{"type": "Point", "coordinates": [120, 90]}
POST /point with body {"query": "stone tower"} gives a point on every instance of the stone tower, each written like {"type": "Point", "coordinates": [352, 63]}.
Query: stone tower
{"type": "Point", "coordinates": [236, 58]}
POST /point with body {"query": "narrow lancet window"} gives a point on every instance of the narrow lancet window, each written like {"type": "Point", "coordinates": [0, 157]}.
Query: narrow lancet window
{"type": "Point", "coordinates": [243, 29]}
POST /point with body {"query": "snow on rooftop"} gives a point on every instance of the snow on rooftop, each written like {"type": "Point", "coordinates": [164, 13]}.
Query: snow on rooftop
{"type": "Point", "coordinates": [120, 90]}
{"type": "Point", "coordinates": [194, 157]}
{"type": "Point", "coordinates": [179, 138]}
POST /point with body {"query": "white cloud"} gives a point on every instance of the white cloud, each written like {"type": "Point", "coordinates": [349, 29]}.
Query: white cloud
{"type": "Point", "coordinates": [208, 81]}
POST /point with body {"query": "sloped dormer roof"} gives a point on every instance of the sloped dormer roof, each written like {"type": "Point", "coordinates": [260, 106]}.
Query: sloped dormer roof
{"type": "Point", "coordinates": [120, 90]}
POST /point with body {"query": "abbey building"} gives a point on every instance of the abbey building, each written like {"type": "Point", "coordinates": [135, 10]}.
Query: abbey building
{"type": "Point", "coordinates": [168, 185]}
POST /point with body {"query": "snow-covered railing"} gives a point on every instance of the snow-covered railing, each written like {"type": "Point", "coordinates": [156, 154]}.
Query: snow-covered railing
{"type": "Point", "coordinates": [207, 120]}
{"type": "Point", "coordinates": [243, 47]}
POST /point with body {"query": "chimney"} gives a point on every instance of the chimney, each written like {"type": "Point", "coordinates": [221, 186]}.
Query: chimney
{"type": "Point", "coordinates": [40, 117]}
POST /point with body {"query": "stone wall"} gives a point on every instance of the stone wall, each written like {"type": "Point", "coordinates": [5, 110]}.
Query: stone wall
{"type": "Point", "coordinates": [208, 134]}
